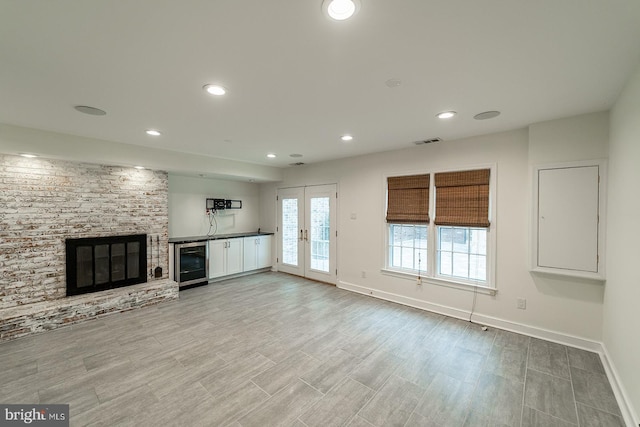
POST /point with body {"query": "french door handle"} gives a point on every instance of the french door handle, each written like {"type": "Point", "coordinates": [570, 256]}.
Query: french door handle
{"type": "Point", "coordinates": [305, 235]}
{"type": "Point", "coordinates": [300, 234]}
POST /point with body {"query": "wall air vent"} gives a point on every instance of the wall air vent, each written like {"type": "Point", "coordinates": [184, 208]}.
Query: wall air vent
{"type": "Point", "coordinates": [428, 141]}
{"type": "Point", "coordinates": [296, 164]}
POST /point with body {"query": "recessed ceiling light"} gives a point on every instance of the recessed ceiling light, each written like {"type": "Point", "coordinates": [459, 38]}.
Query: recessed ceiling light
{"type": "Point", "coordinates": [340, 10]}
{"type": "Point", "coordinates": [90, 110]}
{"type": "Point", "coordinates": [446, 114]}
{"type": "Point", "coordinates": [153, 132]}
{"type": "Point", "coordinates": [29, 156]}
{"type": "Point", "coordinates": [139, 167]}
{"type": "Point", "coordinates": [346, 138]}
{"type": "Point", "coordinates": [486, 115]}
{"type": "Point", "coordinates": [215, 90]}
{"type": "Point", "coordinates": [295, 155]}
{"type": "Point", "coordinates": [271, 156]}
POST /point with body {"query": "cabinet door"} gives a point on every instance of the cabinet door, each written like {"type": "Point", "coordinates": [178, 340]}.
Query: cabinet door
{"type": "Point", "coordinates": [217, 258]}
{"type": "Point", "coordinates": [568, 218]}
{"type": "Point", "coordinates": [264, 252]}
{"type": "Point", "coordinates": [235, 256]}
{"type": "Point", "coordinates": [250, 253]}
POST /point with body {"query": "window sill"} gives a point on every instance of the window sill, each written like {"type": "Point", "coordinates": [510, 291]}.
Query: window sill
{"type": "Point", "coordinates": [484, 289]}
{"type": "Point", "coordinates": [599, 277]}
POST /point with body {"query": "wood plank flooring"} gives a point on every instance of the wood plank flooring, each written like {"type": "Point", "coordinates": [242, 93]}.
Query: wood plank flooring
{"type": "Point", "coordinates": [276, 350]}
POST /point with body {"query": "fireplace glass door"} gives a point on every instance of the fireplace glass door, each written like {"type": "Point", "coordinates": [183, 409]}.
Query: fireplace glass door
{"type": "Point", "coordinates": [95, 264]}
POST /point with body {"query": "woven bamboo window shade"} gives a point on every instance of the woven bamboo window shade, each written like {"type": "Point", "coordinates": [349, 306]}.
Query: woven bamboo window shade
{"type": "Point", "coordinates": [462, 198]}
{"type": "Point", "coordinates": [408, 199]}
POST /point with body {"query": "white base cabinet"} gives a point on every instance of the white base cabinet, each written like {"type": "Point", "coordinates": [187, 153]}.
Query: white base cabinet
{"type": "Point", "coordinates": [257, 252]}
{"type": "Point", "coordinates": [225, 257]}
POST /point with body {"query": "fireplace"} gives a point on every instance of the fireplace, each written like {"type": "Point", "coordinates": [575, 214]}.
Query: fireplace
{"type": "Point", "coordinates": [98, 263]}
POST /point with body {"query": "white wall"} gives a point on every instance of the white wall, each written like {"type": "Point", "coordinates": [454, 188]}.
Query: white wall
{"type": "Point", "coordinates": [16, 139]}
{"type": "Point", "coordinates": [622, 295]}
{"type": "Point", "coordinates": [568, 307]}
{"type": "Point", "coordinates": [571, 139]}
{"type": "Point", "coordinates": [584, 137]}
{"type": "Point", "coordinates": [187, 216]}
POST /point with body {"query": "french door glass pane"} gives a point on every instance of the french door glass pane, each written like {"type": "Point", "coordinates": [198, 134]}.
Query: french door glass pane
{"type": "Point", "coordinates": [320, 231]}
{"type": "Point", "coordinates": [290, 231]}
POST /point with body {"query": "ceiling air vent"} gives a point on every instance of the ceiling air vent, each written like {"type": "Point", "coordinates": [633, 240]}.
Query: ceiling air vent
{"type": "Point", "coordinates": [296, 164]}
{"type": "Point", "coordinates": [428, 141]}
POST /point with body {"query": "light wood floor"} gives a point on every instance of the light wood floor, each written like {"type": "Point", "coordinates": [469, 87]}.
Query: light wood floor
{"type": "Point", "coordinates": [276, 350]}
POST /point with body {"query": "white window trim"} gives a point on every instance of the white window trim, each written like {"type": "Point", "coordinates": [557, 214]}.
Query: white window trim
{"type": "Point", "coordinates": [430, 276]}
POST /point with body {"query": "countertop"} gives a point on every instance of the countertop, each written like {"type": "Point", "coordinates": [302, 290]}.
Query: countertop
{"type": "Point", "coordinates": [217, 237]}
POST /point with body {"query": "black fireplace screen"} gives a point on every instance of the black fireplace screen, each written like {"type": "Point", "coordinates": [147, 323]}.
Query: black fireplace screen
{"type": "Point", "coordinates": [98, 263]}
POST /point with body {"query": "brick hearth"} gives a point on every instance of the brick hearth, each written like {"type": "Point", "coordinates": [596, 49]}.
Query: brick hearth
{"type": "Point", "coordinates": [42, 203]}
{"type": "Point", "coordinates": [23, 320]}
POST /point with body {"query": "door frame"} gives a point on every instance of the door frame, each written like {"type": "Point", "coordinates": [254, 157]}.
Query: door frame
{"type": "Point", "coordinates": [304, 193]}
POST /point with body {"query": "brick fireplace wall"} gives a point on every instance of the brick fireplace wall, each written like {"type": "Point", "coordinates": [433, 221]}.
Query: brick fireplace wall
{"type": "Point", "coordinates": [43, 202]}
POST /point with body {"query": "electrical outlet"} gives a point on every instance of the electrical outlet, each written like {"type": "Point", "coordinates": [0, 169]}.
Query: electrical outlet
{"type": "Point", "coordinates": [522, 303]}
{"type": "Point", "coordinates": [363, 274]}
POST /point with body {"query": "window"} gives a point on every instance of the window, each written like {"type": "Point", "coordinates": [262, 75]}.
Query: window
{"type": "Point", "coordinates": [456, 245]}
{"type": "Point", "coordinates": [408, 247]}
{"type": "Point", "coordinates": [462, 253]}
{"type": "Point", "coordinates": [408, 217]}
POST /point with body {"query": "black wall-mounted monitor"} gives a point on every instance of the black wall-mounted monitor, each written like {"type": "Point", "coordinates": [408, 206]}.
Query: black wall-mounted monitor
{"type": "Point", "coordinates": [216, 204]}
{"type": "Point", "coordinates": [221, 204]}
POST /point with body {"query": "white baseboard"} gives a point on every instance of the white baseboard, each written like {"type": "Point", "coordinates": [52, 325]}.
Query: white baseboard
{"type": "Point", "coordinates": [630, 416]}
{"type": "Point", "coordinates": [627, 410]}
{"type": "Point", "coordinates": [508, 325]}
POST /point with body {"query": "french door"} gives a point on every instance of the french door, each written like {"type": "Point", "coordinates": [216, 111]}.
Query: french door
{"type": "Point", "coordinates": [307, 232]}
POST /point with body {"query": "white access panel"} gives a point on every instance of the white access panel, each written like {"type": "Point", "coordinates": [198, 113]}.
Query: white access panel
{"type": "Point", "coordinates": [568, 206]}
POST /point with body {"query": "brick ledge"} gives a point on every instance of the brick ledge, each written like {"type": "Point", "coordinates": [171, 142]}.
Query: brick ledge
{"type": "Point", "coordinates": [19, 321]}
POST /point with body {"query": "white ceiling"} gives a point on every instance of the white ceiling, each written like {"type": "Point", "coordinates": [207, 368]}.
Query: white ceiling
{"type": "Point", "coordinates": [297, 81]}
